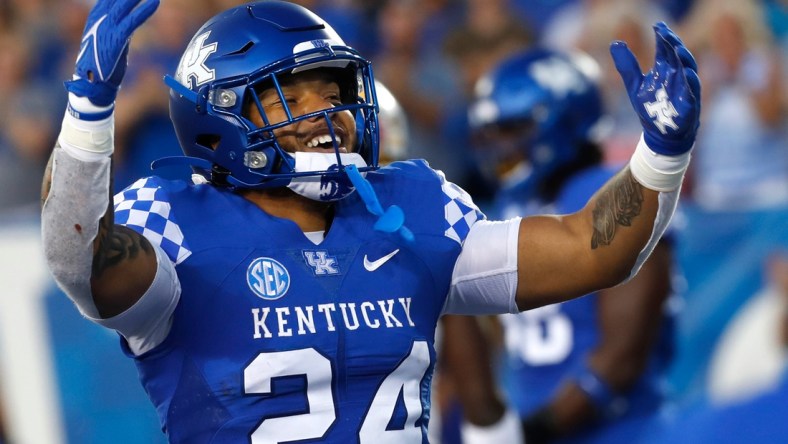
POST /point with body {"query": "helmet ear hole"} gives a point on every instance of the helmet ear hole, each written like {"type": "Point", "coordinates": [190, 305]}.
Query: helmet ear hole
{"type": "Point", "coordinates": [209, 141]}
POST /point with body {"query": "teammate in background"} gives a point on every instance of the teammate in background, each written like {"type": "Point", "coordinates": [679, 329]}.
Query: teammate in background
{"type": "Point", "coordinates": [393, 126]}
{"type": "Point", "coordinates": [463, 367]}
{"type": "Point", "coordinates": [585, 370]}
{"type": "Point", "coordinates": [292, 291]}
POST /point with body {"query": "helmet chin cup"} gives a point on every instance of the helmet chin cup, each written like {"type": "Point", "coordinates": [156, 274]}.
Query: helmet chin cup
{"type": "Point", "coordinates": [332, 184]}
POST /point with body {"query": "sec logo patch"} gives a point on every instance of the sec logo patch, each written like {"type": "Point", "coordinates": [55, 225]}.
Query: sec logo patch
{"type": "Point", "coordinates": [267, 278]}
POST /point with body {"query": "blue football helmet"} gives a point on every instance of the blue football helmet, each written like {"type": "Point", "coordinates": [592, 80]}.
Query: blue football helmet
{"type": "Point", "coordinates": [538, 107]}
{"type": "Point", "coordinates": [235, 55]}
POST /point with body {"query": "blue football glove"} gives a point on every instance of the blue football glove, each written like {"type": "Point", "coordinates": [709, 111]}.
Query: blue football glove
{"type": "Point", "coordinates": [101, 62]}
{"type": "Point", "coordinates": [667, 98]}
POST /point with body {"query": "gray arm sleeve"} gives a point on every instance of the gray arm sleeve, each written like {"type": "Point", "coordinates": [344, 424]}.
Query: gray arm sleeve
{"type": "Point", "coordinates": [77, 200]}
{"type": "Point", "coordinates": [484, 280]}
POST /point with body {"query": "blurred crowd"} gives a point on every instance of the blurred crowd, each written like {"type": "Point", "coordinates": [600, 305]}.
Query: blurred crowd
{"type": "Point", "coordinates": [430, 53]}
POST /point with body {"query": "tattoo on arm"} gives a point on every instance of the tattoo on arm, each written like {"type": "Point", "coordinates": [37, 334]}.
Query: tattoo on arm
{"type": "Point", "coordinates": [115, 245]}
{"type": "Point", "coordinates": [617, 204]}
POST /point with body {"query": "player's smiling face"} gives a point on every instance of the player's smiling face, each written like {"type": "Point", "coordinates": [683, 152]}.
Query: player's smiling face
{"type": "Point", "coordinates": [307, 92]}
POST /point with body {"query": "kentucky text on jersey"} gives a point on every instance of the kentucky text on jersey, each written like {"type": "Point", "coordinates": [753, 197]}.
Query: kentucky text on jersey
{"type": "Point", "coordinates": [310, 319]}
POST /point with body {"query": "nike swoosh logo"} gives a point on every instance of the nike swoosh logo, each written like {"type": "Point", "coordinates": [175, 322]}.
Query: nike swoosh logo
{"type": "Point", "coordinates": [374, 265]}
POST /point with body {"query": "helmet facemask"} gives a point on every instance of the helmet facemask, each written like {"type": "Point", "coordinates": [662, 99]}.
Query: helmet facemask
{"type": "Point", "coordinates": [264, 157]}
{"type": "Point", "coordinates": [340, 131]}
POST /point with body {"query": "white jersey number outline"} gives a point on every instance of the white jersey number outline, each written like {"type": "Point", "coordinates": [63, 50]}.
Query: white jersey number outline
{"type": "Point", "coordinates": [541, 336]}
{"type": "Point", "coordinates": [406, 378]}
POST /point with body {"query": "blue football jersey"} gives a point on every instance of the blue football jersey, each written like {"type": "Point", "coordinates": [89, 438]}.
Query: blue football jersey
{"type": "Point", "coordinates": [276, 339]}
{"type": "Point", "coordinates": [548, 344]}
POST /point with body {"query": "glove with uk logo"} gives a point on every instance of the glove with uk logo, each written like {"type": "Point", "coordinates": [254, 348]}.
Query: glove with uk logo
{"type": "Point", "coordinates": [101, 63]}
{"type": "Point", "coordinates": [667, 98]}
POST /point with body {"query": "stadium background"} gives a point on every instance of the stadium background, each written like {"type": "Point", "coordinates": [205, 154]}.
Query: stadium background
{"type": "Point", "coordinates": [64, 380]}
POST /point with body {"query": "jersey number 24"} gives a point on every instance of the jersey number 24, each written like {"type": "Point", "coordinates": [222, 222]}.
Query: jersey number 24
{"type": "Point", "coordinates": [406, 378]}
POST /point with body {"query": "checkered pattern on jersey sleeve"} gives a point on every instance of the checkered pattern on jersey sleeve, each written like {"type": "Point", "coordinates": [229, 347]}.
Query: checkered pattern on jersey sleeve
{"type": "Point", "coordinates": [460, 211]}
{"type": "Point", "coordinates": [144, 207]}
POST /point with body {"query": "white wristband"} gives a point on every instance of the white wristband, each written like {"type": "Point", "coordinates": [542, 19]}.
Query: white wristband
{"type": "Point", "coordinates": [82, 105]}
{"type": "Point", "coordinates": [658, 171]}
{"type": "Point", "coordinates": [508, 429]}
{"type": "Point", "coordinates": [87, 140]}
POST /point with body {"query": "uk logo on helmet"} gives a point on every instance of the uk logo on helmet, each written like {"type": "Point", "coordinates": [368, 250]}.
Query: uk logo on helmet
{"type": "Point", "coordinates": [320, 43]}
{"type": "Point", "coordinates": [192, 64]}
{"type": "Point", "coordinates": [268, 278]}
{"type": "Point", "coordinates": [558, 76]}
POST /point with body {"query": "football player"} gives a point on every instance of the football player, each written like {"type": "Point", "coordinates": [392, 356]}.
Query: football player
{"type": "Point", "coordinates": [585, 370]}
{"type": "Point", "coordinates": [291, 290]}
{"type": "Point", "coordinates": [462, 371]}
{"type": "Point", "coordinates": [394, 129]}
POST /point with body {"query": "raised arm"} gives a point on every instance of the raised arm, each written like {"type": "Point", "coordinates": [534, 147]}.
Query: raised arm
{"type": "Point", "coordinates": [562, 257]}
{"type": "Point", "coordinates": [104, 268]}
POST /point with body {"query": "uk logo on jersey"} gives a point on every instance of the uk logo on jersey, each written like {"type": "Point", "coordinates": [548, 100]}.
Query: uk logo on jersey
{"type": "Point", "coordinates": [322, 264]}
{"type": "Point", "coordinates": [268, 278]}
